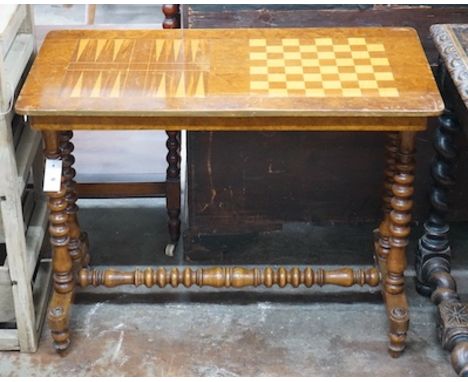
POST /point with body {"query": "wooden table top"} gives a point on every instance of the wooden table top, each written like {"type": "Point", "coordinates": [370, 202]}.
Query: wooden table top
{"type": "Point", "coordinates": [320, 72]}
{"type": "Point", "coordinates": [452, 43]}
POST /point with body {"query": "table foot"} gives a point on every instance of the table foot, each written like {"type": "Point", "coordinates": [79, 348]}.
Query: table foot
{"type": "Point", "coordinates": [453, 333]}
{"type": "Point", "coordinates": [397, 312]}
{"type": "Point", "coordinates": [459, 359]}
{"type": "Point", "coordinates": [58, 317]}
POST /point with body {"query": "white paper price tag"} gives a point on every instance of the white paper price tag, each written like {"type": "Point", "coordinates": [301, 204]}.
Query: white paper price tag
{"type": "Point", "coordinates": [52, 175]}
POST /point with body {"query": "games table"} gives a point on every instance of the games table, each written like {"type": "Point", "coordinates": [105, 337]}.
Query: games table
{"type": "Point", "coordinates": [329, 79]}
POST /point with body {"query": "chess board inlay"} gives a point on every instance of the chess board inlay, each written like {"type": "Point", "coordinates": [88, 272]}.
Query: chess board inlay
{"type": "Point", "coordinates": [160, 67]}
{"type": "Point", "coordinates": [320, 67]}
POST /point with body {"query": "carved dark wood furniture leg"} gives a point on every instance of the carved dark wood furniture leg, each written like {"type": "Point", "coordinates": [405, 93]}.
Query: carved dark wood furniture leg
{"type": "Point", "coordinates": [78, 244]}
{"type": "Point", "coordinates": [433, 251]}
{"type": "Point", "coordinates": [433, 257]}
{"type": "Point", "coordinates": [173, 189]}
{"type": "Point", "coordinates": [59, 229]}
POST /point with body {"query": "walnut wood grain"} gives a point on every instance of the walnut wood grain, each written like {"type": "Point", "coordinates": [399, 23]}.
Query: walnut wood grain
{"type": "Point", "coordinates": [222, 72]}
{"type": "Point", "coordinates": [207, 123]}
{"type": "Point", "coordinates": [230, 277]}
{"type": "Point", "coordinates": [121, 190]}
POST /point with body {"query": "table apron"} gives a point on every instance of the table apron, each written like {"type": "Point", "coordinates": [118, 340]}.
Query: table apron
{"type": "Point", "coordinates": [61, 123]}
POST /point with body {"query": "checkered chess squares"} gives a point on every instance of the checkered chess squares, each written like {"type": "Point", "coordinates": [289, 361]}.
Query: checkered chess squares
{"type": "Point", "coordinates": [320, 67]}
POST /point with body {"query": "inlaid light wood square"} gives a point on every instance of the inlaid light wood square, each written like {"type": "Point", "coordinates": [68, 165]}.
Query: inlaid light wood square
{"type": "Point", "coordinates": [320, 67]}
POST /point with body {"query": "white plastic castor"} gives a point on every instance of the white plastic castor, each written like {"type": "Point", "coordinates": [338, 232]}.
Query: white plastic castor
{"type": "Point", "coordinates": [170, 250]}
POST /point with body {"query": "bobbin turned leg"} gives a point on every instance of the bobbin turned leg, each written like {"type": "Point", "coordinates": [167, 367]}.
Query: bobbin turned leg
{"type": "Point", "coordinates": [63, 278]}
{"type": "Point", "coordinates": [173, 189]}
{"type": "Point", "coordinates": [400, 218]}
{"type": "Point", "coordinates": [382, 233]}
{"type": "Point", "coordinates": [78, 244]}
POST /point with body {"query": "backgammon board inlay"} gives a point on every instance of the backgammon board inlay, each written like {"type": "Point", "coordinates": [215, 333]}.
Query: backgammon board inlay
{"type": "Point", "coordinates": [161, 67]}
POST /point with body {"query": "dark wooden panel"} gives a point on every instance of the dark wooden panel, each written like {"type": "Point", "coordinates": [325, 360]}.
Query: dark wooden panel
{"type": "Point", "coordinates": [264, 16]}
{"type": "Point", "coordinates": [238, 181]}
{"type": "Point", "coordinates": [242, 184]}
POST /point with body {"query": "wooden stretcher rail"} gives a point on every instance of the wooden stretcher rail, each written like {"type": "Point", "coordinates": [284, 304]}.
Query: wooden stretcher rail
{"type": "Point", "coordinates": [230, 277]}
{"type": "Point", "coordinates": [121, 190]}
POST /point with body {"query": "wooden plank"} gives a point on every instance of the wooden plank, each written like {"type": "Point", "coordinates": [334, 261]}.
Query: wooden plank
{"type": "Point", "coordinates": [11, 19]}
{"type": "Point", "coordinates": [7, 308]}
{"type": "Point", "coordinates": [28, 25]}
{"type": "Point", "coordinates": [37, 175]}
{"type": "Point", "coordinates": [12, 215]}
{"type": "Point", "coordinates": [18, 126]}
{"type": "Point", "coordinates": [4, 275]}
{"type": "Point", "coordinates": [2, 234]}
{"type": "Point", "coordinates": [17, 58]}
{"type": "Point", "coordinates": [35, 236]}
{"type": "Point", "coordinates": [28, 206]}
{"type": "Point", "coordinates": [25, 154]}
{"type": "Point", "coordinates": [5, 122]}
{"type": "Point", "coordinates": [15, 274]}
{"type": "Point", "coordinates": [9, 339]}
{"type": "Point", "coordinates": [246, 124]}
{"type": "Point", "coordinates": [121, 190]}
{"type": "Point", "coordinates": [42, 288]}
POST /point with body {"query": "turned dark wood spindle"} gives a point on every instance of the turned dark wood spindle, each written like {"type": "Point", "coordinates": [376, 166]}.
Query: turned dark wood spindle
{"type": "Point", "coordinates": [172, 16]}
{"type": "Point", "coordinates": [173, 184]}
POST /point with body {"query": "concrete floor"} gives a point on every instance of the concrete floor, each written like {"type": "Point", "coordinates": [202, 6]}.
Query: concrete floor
{"type": "Point", "coordinates": [203, 332]}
